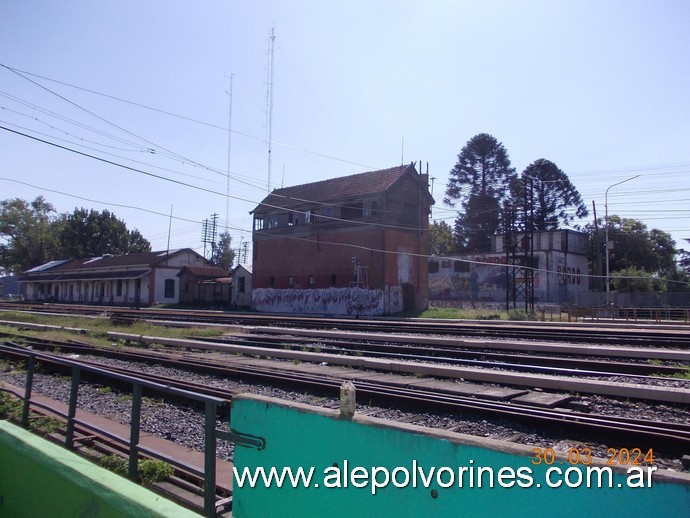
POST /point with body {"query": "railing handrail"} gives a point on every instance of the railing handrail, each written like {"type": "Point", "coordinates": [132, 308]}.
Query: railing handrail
{"type": "Point", "coordinates": [211, 404]}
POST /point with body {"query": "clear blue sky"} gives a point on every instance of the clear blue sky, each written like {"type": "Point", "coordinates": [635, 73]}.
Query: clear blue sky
{"type": "Point", "coordinates": [599, 87]}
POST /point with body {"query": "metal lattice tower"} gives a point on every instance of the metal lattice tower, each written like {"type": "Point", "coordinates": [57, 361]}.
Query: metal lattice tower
{"type": "Point", "coordinates": [519, 248]}
{"type": "Point", "coordinates": [208, 235]}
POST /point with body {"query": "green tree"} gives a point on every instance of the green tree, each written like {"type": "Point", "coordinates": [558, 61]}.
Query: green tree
{"type": "Point", "coordinates": [26, 230]}
{"type": "Point", "coordinates": [633, 280]}
{"type": "Point", "coordinates": [441, 237]}
{"type": "Point", "coordinates": [684, 258]}
{"type": "Point", "coordinates": [554, 199]}
{"type": "Point", "coordinates": [89, 233]}
{"type": "Point", "coordinates": [637, 252]}
{"type": "Point", "coordinates": [480, 182]}
{"type": "Point", "coordinates": [224, 255]}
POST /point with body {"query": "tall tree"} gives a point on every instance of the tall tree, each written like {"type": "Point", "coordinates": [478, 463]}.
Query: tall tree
{"type": "Point", "coordinates": [554, 199]}
{"type": "Point", "coordinates": [89, 233]}
{"type": "Point", "coordinates": [480, 183]}
{"type": "Point", "coordinates": [25, 227]}
{"type": "Point", "coordinates": [224, 255]}
{"type": "Point", "coordinates": [442, 240]}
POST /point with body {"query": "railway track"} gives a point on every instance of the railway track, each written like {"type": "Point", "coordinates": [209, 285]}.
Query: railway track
{"type": "Point", "coordinates": [651, 335]}
{"type": "Point", "coordinates": [510, 360]}
{"type": "Point", "coordinates": [666, 436]}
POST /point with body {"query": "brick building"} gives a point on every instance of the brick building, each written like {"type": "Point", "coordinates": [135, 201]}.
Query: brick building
{"type": "Point", "coordinates": [348, 245]}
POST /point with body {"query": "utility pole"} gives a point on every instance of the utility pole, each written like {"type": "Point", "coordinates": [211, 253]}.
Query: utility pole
{"type": "Point", "coordinates": [208, 235]}
{"type": "Point", "coordinates": [269, 102]}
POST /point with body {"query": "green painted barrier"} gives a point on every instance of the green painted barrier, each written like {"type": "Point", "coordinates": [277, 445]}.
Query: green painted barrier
{"type": "Point", "coordinates": [39, 478]}
{"type": "Point", "coordinates": [370, 467]}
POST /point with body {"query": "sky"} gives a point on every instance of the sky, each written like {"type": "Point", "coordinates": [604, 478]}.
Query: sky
{"type": "Point", "coordinates": [161, 111]}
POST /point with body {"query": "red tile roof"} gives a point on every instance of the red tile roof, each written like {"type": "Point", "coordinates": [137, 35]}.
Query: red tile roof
{"type": "Point", "coordinates": [334, 189]}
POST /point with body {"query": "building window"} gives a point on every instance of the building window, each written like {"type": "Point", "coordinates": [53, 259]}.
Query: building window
{"type": "Point", "coordinates": [433, 266]}
{"type": "Point", "coordinates": [333, 280]}
{"type": "Point", "coordinates": [312, 281]}
{"type": "Point", "coordinates": [307, 216]}
{"type": "Point", "coordinates": [118, 288]}
{"type": "Point", "coordinates": [352, 211]}
{"type": "Point", "coordinates": [291, 282]}
{"type": "Point", "coordinates": [461, 267]}
{"type": "Point", "coordinates": [169, 288]}
{"type": "Point", "coordinates": [240, 284]}
{"type": "Point", "coordinates": [273, 222]}
{"type": "Point", "coordinates": [258, 223]}
{"type": "Point", "coordinates": [371, 209]}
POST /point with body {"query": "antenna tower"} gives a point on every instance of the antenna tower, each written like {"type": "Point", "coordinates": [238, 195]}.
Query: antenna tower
{"type": "Point", "coordinates": [227, 183]}
{"type": "Point", "coordinates": [269, 102]}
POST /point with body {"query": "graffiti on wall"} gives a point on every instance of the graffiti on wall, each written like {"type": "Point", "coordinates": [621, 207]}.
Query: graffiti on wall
{"type": "Point", "coordinates": [331, 301]}
{"type": "Point", "coordinates": [483, 278]}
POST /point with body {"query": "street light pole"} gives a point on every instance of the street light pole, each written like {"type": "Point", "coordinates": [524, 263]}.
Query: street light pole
{"type": "Point", "coordinates": [606, 218]}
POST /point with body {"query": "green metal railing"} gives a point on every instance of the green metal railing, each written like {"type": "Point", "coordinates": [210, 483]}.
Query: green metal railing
{"type": "Point", "coordinates": [211, 407]}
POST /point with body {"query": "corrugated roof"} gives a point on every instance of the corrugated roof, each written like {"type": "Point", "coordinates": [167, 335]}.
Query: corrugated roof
{"type": "Point", "coordinates": [334, 189]}
{"type": "Point", "coordinates": [141, 259]}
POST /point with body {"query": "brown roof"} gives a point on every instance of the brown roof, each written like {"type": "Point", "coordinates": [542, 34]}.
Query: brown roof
{"type": "Point", "coordinates": [211, 272]}
{"type": "Point", "coordinates": [334, 189]}
{"type": "Point", "coordinates": [142, 259]}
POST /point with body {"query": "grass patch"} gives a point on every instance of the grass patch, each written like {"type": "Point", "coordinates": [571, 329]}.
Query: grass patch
{"type": "Point", "coordinates": [10, 407]}
{"type": "Point", "coordinates": [682, 375]}
{"type": "Point", "coordinates": [464, 314]}
{"type": "Point", "coordinates": [150, 470]}
{"type": "Point", "coordinates": [98, 329]}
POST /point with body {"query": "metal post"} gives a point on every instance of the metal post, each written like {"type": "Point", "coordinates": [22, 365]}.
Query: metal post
{"type": "Point", "coordinates": [72, 407]}
{"type": "Point", "coordinates": [210, 460]}
{"type": "Point", "coordinates": [133, 468]}
{"type": "Point", "coordinates": [606, 219]}
{"type": "Point", "coordinates": [27, 390]}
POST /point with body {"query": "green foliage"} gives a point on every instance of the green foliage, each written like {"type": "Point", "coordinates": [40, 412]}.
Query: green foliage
{"type": "Point", "coordinates": [10, 407]}
{"type": "Point", "coordinates": [552, 194]}
{"type": "Point", "coordinates": [442, 239]}
{"type": "Point", "coordinates": [640, 260]}
{"type": "Point", "coordinates": [521, 314]}
{"type": "Point", "coordinates": [480, 182]}
{"type": "Point", "coordinates": [44, 424]}
{"type": "Point", "coordinates": [633, 280]}
{"type": "Point", "coordinates": [114, 463]}
{"type": "Point", "coordinates": [34, 235]}
{"type": "Point", "coordinates": [26, 228]}
{"type": "Point", "coordinates": [224, 255]}
{"type": "Point", "coordinates": [150, 470]}
{"type": "Point", "coordinates": [474, 314]}
{"type": "Point", "coordinates": [91, 233]}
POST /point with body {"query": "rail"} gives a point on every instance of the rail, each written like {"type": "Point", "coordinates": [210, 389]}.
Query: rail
{"type": "Point", "coordinates": [211, 406]}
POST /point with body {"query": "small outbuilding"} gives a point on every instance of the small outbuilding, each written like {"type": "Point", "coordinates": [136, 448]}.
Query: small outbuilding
{"type": "Point", "coordinates": [242, 286]}
{"type": "Point", "coordinates": [204, 285]}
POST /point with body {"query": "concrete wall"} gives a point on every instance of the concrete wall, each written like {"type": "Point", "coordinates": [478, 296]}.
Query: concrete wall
{"type": "Point", "coordinates": [298, 435]}
{"type": "Point", "coordinates": [39, 478]}
{"type": "Point", "coordinates": [330, 301]}
{"type": "Point", "coordinates": [560, 277]}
